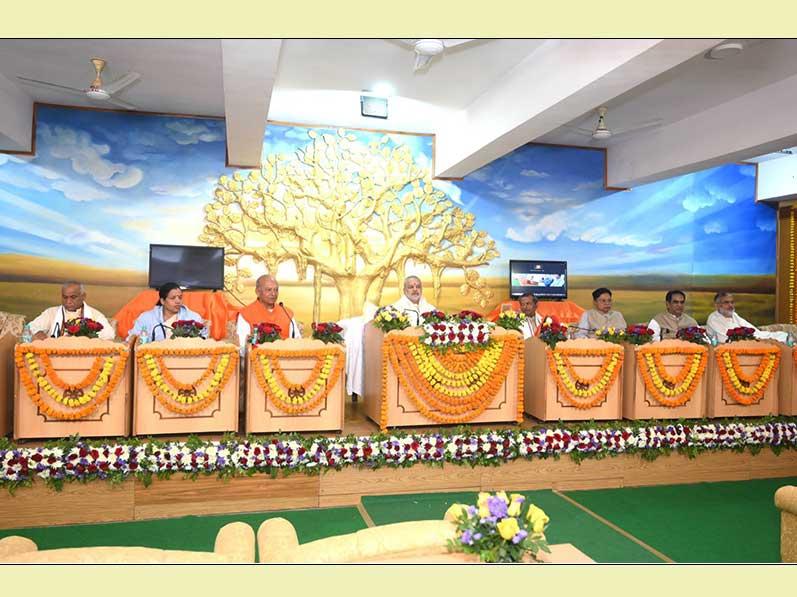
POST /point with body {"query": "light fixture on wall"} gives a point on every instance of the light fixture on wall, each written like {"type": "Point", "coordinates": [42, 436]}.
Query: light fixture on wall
{"type": "Point", "coordinates": [373, 106]}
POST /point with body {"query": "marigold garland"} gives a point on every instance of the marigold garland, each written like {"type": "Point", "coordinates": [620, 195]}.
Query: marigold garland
{"type": "Point", "coordinates": [667, 390]}
{"type": "Point", "coordinates": [440, 386]}
{"type": "Point", "coordinates": [580, 392]}
{"type": "Point", "coordinates": [302, 397]}
{"type": "Point", "coordinates": [181, 398]}
{"type": "Point", "coordinates": [85, 396]}
{"type": "Point", "coordinates": [742, 388]}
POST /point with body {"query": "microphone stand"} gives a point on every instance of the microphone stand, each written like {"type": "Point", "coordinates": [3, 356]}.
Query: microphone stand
{"type": "Point", "coordinates": [290, 319]}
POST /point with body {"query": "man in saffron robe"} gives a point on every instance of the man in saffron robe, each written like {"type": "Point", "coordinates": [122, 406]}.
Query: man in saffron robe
{"type": "Point", "coordinates": [266, 309]}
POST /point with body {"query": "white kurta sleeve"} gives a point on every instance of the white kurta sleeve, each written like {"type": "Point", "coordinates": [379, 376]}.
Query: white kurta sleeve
{"type": "Point", "coordinates": [654, 325]}
{"type": "Point", "coordinates": [583, 326]}
{"type": "Point", "coordinates": [43, 322]}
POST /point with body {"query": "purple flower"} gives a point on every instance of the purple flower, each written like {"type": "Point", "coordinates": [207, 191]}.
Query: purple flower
{"type": "Point", "coordinates": [519, 536]}
{"type": "Point", "coordinates": [467, 537]}
{"type": "Point", "coordinates": [497, 507]}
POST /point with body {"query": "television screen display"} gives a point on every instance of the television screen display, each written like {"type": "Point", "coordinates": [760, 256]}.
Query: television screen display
{"type": "Point", "coordinates": [190, 267]}
{"type": "Point", "coordinates": [546, 279]}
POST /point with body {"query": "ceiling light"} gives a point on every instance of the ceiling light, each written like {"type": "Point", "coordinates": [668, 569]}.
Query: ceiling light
{"type": "Point", "coordinates": [725, 50]}
{"type": "Point", "coordinates": [429, 47]}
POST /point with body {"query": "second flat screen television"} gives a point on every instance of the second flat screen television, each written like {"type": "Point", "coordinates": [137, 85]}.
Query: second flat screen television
{"type": "Point", "coordinates": [187, 266]}
{"type": "Point", "coordinates": [546, 279]}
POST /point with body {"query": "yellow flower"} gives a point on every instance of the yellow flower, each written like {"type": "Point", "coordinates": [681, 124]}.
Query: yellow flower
{"type": "Point", "coordinates": [538, 518]}
{"type": "Point", "coordinates": [508, 528]}
{"type": "Point", "coordinates": [483, 497]}
{"type": "Point", "coordinates": [502, 495]}
{"type": "Point", "coordinates": [514, 508]}
{"type": "Point", "coordinates": [455, 512]}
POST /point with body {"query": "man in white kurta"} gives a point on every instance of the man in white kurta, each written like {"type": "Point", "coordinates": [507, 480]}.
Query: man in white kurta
{"type": "Point", "coordinates": [50, 324]}
{"type": "Point", "coordinates": [412, 304]}
{"type": "Point", "coordinates": [726, 318]}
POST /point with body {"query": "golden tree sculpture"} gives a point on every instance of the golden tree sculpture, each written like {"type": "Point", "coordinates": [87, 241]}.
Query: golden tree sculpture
{"type": "Point", "coordinates": [351, 211]}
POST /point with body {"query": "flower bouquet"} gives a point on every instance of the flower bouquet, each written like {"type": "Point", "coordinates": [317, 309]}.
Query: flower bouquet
{"type": "Point", "coordinates": [694, 334]}
{"type": "Point", "coordinates": [83, 326]}
{"type": "Point", "coordinates": [552, 332]}
{"type": "Point", "coordinates": [740, 333]}
{"type": "Point", "coordinates": [511, 320]}
{"type": "Point", "coordinates": [390, 318]}
{"type": "Point", "coordinates": [459, 334]}
{"type": "Point", "coordinates": [500, 528]}
{"type": "Point", "coordinates": [187, 328]}
{"type": "Point", "coordinates": [467, 315]}
{"type": "Point", "coordinates": [638, 334]}
{"type": "Point", "coordinates": [328, 332]}
{"type": "Point", "coordinates": [265, 332]}
{"type": "Point", "coordinates": [611, 334]}
{"type": "Point", "coordinates": [433, 316]}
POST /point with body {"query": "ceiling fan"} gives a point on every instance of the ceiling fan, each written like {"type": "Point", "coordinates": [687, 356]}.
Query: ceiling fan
{"type": "Point", "coordinates": [97, 90]}
{"type": "Point", "coordinates": [426, 49]}
{"type": "Point", "coordinates": [601, 132]}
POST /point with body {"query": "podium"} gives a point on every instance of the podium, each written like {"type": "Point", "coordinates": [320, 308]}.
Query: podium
{"type": "Point", "coordinates": [295, 385]}
{"type": "Point", "coordinates": [67, 386]}
{"type": "Point", "coordinates": [579, 380]}
{"type": "Point", "coordinates": [665, 380]}
{"type": "Point", "coordinates": [409, 384]}
{"type": "Point", "coordinates": [185, 385]}
{"type": "Point", "coordinates": [7, 343]}
{"type": "Point", "coordinates": [787, 381]}
{"type": "Point", "coordinates": [744, 379]}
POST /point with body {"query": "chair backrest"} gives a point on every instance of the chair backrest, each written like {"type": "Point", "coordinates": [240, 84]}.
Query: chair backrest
{"type": "Point", "coordinates": [11, 323]}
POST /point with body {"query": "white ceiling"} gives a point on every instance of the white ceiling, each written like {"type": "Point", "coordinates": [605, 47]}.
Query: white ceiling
{"type": "Point", "coordinates": [482, 99]}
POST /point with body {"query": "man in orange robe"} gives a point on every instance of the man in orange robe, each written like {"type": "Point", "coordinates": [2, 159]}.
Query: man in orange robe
{"type": "Point", "coordinates": [266, 309]}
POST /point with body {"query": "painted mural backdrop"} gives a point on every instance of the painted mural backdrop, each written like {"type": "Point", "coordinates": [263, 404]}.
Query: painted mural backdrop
{"type": "Point", "coordinates": [342, 216]}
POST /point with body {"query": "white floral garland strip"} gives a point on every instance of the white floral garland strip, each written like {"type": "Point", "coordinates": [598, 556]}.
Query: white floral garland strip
{"type": "Point", "coordinates": [87, 461]}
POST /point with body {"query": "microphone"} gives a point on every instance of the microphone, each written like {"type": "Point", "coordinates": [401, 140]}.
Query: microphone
{"type": "Point", "coordinates": [417, 315]}
{"type": "Point", "coordinates": [290, 319]}
{"type": "Point", "coordinates": [162, 326]}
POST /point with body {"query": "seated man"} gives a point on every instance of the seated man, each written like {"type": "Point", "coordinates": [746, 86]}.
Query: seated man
{"type": "Point", "coordinates": [50, 324]}
{"type": "Point", "coordinates": [412, 304]}
{"type": "Point", "coordinates": [600, 316]}
{"type": "Point", "coordinates": [665, 325]}
{"type": "Point", "coordinates": [528, 305]}
{"type": "Point", "coordinates": [726, 318]}
{"type": "Point", "coordinates": [266, 309]}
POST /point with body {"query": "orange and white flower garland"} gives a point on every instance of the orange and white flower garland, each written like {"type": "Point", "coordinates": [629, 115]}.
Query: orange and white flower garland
{"type": "Point", "coordinates": [187, 398]}
{"type": "Point", "coordinates": [664, 388]}
{"type": "Point", "coordinates": [742, 388]}
{"type": "Point", "coordinates": [296, 398]}
{"type": "Point", "coordinates": [39, 378]}
{"type": "Point", "coordinates": [449, 387]}
{"type": "Point", "coordinates": [579, 392]}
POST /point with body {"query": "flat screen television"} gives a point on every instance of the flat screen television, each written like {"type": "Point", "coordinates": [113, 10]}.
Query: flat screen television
{"type": "Point", "coordinates": [546, 279]}
{"type": "Point", "coordinates": [188, 266]}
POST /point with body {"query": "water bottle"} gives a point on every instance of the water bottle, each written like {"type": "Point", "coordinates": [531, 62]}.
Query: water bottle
{"type": "Point", "coordinates": [789, 339]}
{"type": "Point", "coordinates": [27, 336]}
{"type": "Point", "coordinates": [143, 336]}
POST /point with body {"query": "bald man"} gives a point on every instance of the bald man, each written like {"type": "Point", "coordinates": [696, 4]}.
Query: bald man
{"type": "Point", "coordinates": [266, 308]}
{"type": "Point", "coordinates": [50, 324]}
{"type": "Point", "coordinates": [412, 304]}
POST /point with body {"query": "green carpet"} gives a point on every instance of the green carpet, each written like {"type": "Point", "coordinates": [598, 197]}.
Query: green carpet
{"type": "Point", "coordinates": [194, 533]}
{"type": "Point", "coordinates": [568, 523]}
{"type": "Point", "coordinates": [731, 521]}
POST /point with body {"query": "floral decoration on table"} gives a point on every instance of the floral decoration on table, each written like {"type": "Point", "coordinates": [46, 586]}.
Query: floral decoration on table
{"type": "Point", "coordinates": [450, 387]}
{"type": "Point", "coordinates": [511, 320]}
{"type": "Point", "coordinates": [39, 378]}
{"type": "Point", "coordinates": [457, 334]}
{"type": "Point", "coordinates": [187, 328]}
{"type": "Point", "coordinates": [741, 387]}
{"type": "Point", "coordinates": [186, 398]}
{"type": "Point", "coordinates": [293, 397]}
{"type": "Point", "coordinates": [389, 318]}
{"type": "Point", "coordinates": [581, 392]}
{"type": "Point", "coordinates": [552, 332]}
{"type": "Point", "coordinates": [83, 327]}
{"type": "Point", "coordinates": [328, 332]}
{"type": "Point", "coordinates": [611, 334]}
{"type": "Point", "coordinates": [265, 332]}
{"type": "Point", "coordinates": [433, 316]}
{"type": "Point", "coordinates": [694, 334]}
{"type": "Point", "coordinates": [638, 334]}
{"type": "Point", "coordinates": [739, 334]}
{"type": "Point", "coordinates": [666, 389]}
{"type": "Point", "coordinates": [75, 459]}
{"type": "Point", "coordinates": [499, 528]}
